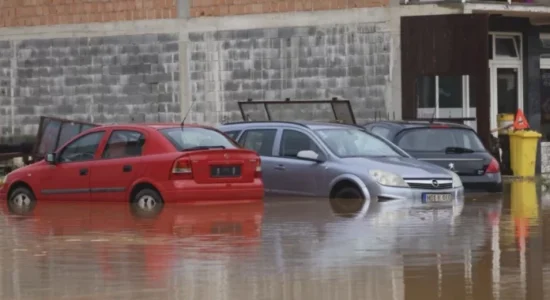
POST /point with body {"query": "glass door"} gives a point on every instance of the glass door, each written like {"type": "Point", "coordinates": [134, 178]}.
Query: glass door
{"type": "Point", "coordinates": [506, 91]}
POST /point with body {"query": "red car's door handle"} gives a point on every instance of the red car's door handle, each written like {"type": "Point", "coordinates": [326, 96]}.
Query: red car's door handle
{"type": "Point", "coordinates": [83, 172]}
{"type": "Point", "coordinates": [126, 168]}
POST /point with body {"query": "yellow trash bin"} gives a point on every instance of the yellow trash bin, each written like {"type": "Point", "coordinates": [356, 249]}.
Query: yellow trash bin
{"type": "Point", "coordinates": [513, 145]}
{"type": "Point", "coordinates": [523, 152]}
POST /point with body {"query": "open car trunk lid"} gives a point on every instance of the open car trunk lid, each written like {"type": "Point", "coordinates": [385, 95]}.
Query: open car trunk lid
{"type": "Point", "coordinates": [54, 132]}
{"type": "Point", "coordinates": [223, 165]}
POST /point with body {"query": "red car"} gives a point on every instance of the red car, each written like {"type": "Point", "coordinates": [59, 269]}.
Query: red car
{"type": "Point", "coordinates": [143, 164]}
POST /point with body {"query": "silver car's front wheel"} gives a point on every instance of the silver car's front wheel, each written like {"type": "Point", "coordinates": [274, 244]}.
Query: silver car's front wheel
{"type": "Point", "coordinates": [348, 201]}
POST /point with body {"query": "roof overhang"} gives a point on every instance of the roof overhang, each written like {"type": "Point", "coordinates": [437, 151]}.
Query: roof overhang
{"type": "Point", "coordinates": [538, 14]}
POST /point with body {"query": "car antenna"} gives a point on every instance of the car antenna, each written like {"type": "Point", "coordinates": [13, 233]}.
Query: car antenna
{"type": "Point", "coordinates": [186, 114]}
{"type": "Point", "coordinates": [433, 116]}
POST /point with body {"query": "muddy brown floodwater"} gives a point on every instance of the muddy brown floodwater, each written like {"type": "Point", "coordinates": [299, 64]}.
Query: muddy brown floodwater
{"type": "Point", "coordinates": [492, 247]}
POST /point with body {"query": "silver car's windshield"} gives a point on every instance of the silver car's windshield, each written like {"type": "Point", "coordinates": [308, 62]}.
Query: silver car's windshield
{"type": "Point", "coordinates": [345, 142]}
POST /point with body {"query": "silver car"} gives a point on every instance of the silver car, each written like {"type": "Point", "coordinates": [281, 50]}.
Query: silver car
{"type": "Point", "coordinates": [315, 159]}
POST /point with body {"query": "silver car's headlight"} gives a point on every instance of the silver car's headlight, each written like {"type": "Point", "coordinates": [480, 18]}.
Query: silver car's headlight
{"type": "Point", "coordinates": [388, 178]}
{"type": "Point", "coordinates": [456, 180]}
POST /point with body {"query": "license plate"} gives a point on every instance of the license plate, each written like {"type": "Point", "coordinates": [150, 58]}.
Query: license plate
{"type": "Point", "coordinates": [225, 171]}
{"type": "Point", "coordinates": [436, 198]}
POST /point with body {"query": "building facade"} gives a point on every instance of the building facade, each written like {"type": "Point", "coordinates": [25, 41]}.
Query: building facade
{"type": "Point", "coordinates": [506, 70]}
{"type": "Point", "coordinates": [148, 60]}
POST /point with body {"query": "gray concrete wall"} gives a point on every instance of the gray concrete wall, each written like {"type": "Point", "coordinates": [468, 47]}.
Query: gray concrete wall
{"type": "Point", "coordinates": [301, 63]}
{"type": "Point", "coordinates": [103, 79]}
{"type": "Point", "coordinates": [545, 157]}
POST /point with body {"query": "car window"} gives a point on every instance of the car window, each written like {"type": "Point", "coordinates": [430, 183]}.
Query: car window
{"type": "Point", "coordinates": [124, 143]}
{"type": "Point", "coordinates": [259, 140]}
{"type": "Point", "coordinates": [346, 142]}
{"type": "Point", "coordinates": [192, 137]}
{"type": "Point", "coordinates": [294, 141]}
{"type": "Point", "coordinates": [438, 139]}
{"type": "Point", "coordinates": [381, 131]}
{"type": "Point", "coordinates": [233, 134]}
{"type": "Point", "coordinates": [81, 149]}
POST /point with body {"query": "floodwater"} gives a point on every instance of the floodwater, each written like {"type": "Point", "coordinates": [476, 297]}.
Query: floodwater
{"type": "Point", "coordinates": [492, 247]}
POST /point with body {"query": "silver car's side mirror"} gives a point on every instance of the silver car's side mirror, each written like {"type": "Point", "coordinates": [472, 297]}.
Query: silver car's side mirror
{"type": "Point", "coordinates": [308, 155]}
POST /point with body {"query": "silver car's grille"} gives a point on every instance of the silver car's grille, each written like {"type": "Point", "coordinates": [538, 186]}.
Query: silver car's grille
{"type": "Point", "coordinates": [430, 184]}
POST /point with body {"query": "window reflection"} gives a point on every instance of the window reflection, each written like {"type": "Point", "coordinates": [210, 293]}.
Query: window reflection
{"type": "Point", "coordinates": [450, 91]}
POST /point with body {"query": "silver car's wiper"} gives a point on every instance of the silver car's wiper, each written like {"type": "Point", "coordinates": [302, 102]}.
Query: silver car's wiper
{"type": "Point", "coordinates": [203, 148]}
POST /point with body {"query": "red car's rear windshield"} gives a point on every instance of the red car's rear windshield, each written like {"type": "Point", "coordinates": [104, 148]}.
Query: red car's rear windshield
{"type": "Point", "coordinates": [193, 137]}
{"type": "Point", "coordinates": [439, 139]}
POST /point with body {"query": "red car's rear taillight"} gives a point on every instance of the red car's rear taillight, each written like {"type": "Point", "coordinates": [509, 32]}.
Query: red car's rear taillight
{"type": "Point", "coordinates": [493, 167]}
{"type": "Point", "coordinates": [182, 169]}
{"type": "Point", "coordinates": [258, 172]}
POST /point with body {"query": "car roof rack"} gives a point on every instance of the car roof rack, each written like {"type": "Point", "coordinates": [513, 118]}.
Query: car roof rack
{"type": "Point", "coordinates": [275, 110]}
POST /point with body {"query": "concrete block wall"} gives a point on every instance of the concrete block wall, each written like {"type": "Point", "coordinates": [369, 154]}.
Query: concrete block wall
{"type": "Point", "coordinates": [347, 61]}
{"type": "Point", "coordinates": [103, 79]}
{"type": "Point", "coordinates": [103, 62]}
{"type": "Point", "coordinates": [545, 157]}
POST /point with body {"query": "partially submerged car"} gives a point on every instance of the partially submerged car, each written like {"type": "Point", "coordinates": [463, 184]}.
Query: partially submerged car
{"type": "Point", "coordinates": [321, 159]}
{"type": "Point", "coordinates": [455, 147]}
{"type": "Point", "coordinates": [139, 163]}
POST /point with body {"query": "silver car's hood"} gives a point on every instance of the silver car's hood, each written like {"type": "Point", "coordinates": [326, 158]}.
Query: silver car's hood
{"type": "Point", "coordinates": [404, 166]}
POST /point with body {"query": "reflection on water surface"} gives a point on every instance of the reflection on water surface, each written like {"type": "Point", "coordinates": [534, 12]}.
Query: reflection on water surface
{"type": "Point", "coordinates": [492, 247]}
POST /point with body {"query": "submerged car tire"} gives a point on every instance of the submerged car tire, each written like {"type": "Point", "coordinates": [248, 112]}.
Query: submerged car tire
{"type": "Point", "coordinates": [147, 203]}
{"type": "Point", "coordinates": [21, 201]}
{"type": "Point", "coordinates": [347, 201]}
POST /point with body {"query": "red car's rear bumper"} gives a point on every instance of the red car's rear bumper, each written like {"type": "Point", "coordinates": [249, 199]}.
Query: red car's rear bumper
{"type": "Point", "coordinates": [189, 191]}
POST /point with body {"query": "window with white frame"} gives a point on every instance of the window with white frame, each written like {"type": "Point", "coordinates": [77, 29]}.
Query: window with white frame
{"type": "Point", "coordinates": [444, 97]}
{"type": "Point", "coordinates": [504, 46]}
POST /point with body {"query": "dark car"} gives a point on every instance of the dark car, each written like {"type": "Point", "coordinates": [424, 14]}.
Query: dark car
{"type": "Point", "coordinates": [453, 146]}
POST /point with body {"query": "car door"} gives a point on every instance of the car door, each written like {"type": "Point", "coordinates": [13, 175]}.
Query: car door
{"type": "Point", "coordinates": [262, 140]}
{"type": "Point", "coordinates": [69, 177]}
{"type": "Point", "coordinates": [295, 176]}
{"type": "Point", "coordinates": [120, 164]}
